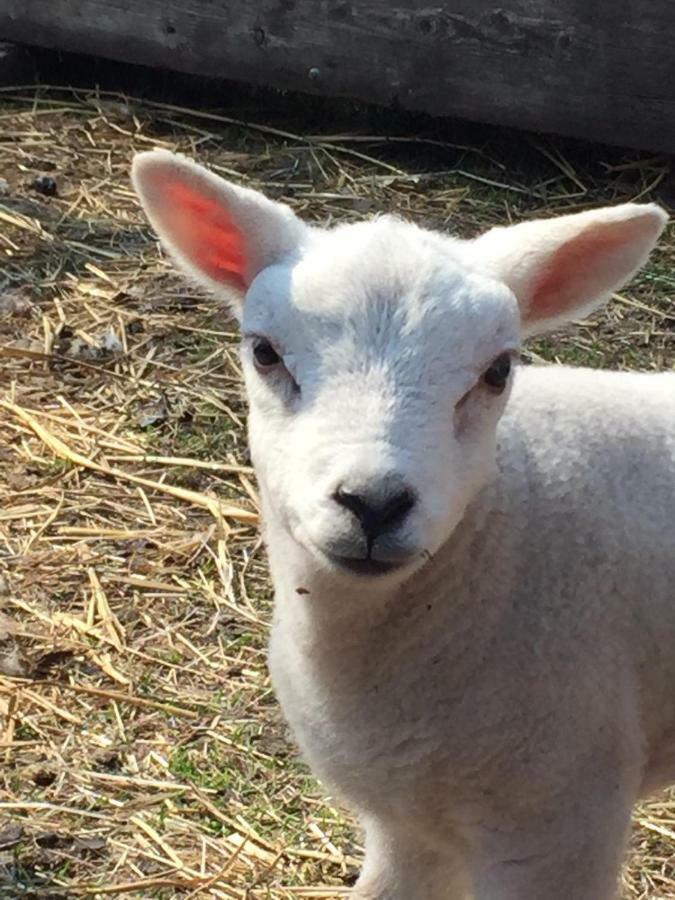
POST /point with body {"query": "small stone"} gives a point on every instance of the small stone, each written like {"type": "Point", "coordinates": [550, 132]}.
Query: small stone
{"type": "Point", "coordinates": [11, 663]}
{"type": "Point", "coordinates": [14, 303]}
{"type": "Point", "coordinates": [10, 835]}
{"type": "Point", "coordinates": [153, 413]}
{"type": "Point", "coordinates": [92, 842]}
{"type": "Point", "coordinates": [45, 184]}
{"type": "Point", "coordinates": [4, 187]}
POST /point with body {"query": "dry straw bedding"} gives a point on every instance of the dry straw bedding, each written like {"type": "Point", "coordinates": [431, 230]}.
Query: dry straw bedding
{"type": "Point", "coordinates": [142, 752]}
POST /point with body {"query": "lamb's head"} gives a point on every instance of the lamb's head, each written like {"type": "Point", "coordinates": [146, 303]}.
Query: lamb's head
{"type": "Point", "coordinates": [378, 356]}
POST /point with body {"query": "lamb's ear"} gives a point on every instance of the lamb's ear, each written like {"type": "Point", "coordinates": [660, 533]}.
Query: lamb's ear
{"type": "Point", "coordinates": [561, 269]}
{"type": "Point", "coordinates": [221, 234]}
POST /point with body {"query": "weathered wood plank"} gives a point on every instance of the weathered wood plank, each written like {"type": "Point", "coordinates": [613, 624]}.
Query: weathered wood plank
{"type": "Point", "coordinates": [590, 68]}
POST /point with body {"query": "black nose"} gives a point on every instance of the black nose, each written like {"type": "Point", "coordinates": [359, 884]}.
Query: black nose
{"type": "Point", "coordinates": [376, 513]}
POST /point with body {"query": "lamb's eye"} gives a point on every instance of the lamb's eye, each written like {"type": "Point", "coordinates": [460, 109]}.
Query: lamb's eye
{"type": "Point", "coordinates": [496, 375]}
{"type": "Point", "coordinates": [264, 354]}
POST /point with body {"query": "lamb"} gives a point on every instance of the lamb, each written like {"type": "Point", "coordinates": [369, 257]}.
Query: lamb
{"type": "Point", "coordinates": [473, 560]}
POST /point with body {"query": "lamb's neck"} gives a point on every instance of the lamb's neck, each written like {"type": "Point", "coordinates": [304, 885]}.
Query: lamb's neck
{"type": "Point", "coordinates": [347, 638]}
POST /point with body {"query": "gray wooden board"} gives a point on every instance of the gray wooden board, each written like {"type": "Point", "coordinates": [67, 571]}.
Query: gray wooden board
{"type": "Point", "coordinates": [597, 69]}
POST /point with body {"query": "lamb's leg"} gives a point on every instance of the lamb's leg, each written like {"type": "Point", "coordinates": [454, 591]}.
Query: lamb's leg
{"type": "Point", "coordinates": [578, 861]}
{"type": "Point", "coordinates": [399, 866]}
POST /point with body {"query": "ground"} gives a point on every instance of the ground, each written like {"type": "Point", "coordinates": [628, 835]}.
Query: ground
{"type": "Point", "coordinates": [142, 749]}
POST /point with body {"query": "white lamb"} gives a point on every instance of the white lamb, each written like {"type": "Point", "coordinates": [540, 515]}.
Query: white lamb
{"type": "Point", "coordinates": [474, 562]}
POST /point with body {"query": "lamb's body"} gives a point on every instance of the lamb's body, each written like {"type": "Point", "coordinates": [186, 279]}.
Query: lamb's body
{"type": "Point", "coordinates": [446, 708]}
{"type": "Point", "coordinates": [475, 620]}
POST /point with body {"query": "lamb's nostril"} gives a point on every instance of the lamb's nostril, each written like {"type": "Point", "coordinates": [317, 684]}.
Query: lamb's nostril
{"type": "Point", "coordinates": [397, 508]}
{"type": "Point", "coordinates": [376, 512]}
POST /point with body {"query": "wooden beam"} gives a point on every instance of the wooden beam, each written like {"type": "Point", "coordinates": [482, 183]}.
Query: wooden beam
{"type": "Point", "coordinates": [590, 68]}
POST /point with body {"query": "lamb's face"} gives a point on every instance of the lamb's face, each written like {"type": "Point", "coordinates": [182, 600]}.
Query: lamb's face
{"type": "Point", "coordinates": [377, 366]}
{"type": "Point", "coordinates": [378, 356]}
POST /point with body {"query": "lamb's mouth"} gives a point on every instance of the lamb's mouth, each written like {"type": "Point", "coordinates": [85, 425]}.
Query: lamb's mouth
{"type": "Point", "coordinates": [365, 566]}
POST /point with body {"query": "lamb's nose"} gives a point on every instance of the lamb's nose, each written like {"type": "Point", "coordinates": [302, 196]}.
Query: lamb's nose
{"type": "Point", "coordinates": [377, 512]}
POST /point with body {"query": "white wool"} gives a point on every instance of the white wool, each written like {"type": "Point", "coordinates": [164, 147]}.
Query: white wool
{"type": "Point", "coordinates": [492, 702]}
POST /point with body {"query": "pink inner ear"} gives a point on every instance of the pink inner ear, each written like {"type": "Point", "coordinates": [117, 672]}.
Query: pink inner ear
{"type": "Point", "coordinates": [204, 232]}
{"type": "Point", "coordinates": [582, 269]}
{"type": "Point", "coordinates": [572, 270]}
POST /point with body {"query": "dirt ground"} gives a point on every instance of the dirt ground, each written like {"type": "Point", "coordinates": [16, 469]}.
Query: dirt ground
{"type": "Point", "coordinates": [142, 752]}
